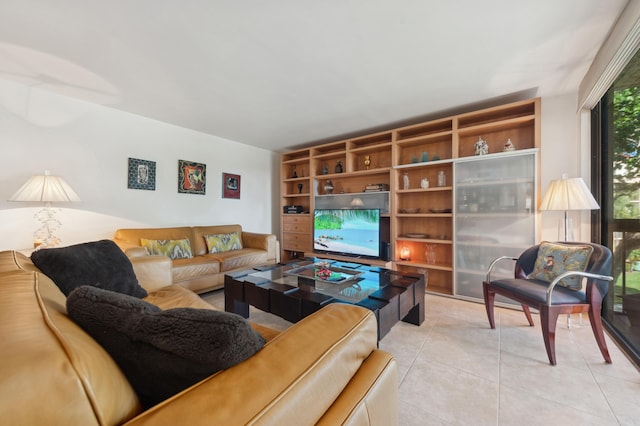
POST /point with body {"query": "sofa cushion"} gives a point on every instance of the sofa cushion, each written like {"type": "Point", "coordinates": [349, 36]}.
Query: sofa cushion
{"type": "Point", "coordinates": [236, 259]}
{"type": "Point", "coordinates": [174, 249]}
{"type": "Point", "coordinates": [218, 243]}
{"type": "Point", "coordinates": [554, 259]}
{"type": "Point", "coordinates": [188, 269]}
{"type": "Point", "coordinates": [99, 263]}
{"type": "Point", "coordinates": [162, 352]}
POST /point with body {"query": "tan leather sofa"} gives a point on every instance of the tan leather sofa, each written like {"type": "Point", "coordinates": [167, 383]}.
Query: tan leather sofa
{"type": "Point", "coordinates": [204, 272]}
{"type": "Point", "coordinates": [325, 369]}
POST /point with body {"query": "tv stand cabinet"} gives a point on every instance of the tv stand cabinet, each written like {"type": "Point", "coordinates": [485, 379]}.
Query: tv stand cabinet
{"type": "Point", "coordinates": [372, 262]}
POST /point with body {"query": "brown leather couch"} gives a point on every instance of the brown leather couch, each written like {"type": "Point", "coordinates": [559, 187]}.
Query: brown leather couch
{"type": "Point", "coordinates": [325, 369]}
{"type": "Point", "coordinates": [204, 272]}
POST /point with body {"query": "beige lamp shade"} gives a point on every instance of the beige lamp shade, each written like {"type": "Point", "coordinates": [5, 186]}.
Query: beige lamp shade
{"type": "Point", "coordinates": [45, 189]}
{"type": "Point", "coordinates": [568, 194]}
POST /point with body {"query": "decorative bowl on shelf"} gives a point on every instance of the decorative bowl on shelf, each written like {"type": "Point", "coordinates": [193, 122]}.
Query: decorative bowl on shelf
{"type": "Point", "coordinates": [440, 210]}
{"type": "Point", "coordinates": [414, 235]}
{"type": "Point", "coordinates": [410, 210]}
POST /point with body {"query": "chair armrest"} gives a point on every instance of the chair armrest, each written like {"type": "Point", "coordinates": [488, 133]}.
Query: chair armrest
{"type": "Point", "coordinates": [495, 262]}
{"type": "Point", "coordinates": [571, 273]}
{"type": "Point", "coordinates": [152, 272]}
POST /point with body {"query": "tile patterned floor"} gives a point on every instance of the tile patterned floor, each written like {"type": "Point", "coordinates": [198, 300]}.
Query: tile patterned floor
{"type": "Point", "coordinates": [455, 370]}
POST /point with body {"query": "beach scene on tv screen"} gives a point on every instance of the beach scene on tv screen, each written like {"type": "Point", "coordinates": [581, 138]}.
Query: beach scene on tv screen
{"type": "Point", "coordinates": [355, 232]}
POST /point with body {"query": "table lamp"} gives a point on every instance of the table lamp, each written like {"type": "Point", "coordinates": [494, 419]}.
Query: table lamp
{"type": "Point", "coordinates": [568, 194]}
{"type": "Point", "coordinates": [46, 189]}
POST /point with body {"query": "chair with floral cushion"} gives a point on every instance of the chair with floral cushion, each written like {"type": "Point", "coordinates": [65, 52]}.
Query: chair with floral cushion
{"type": "Point", "coordinates": [550, 277]}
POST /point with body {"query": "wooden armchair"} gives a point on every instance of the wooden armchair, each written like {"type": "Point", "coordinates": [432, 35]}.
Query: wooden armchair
{"type": "Point", "coordinates": [552, 298]}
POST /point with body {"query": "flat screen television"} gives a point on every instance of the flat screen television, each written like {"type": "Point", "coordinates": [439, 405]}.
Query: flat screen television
{"type": "Point", "coordinates": [350, 232]}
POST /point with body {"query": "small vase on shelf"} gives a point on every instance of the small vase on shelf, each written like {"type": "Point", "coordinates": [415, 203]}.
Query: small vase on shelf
{"type": "Point", "coordinates": [300, 188]}
{"type": "Point", "coordinates": [328, 187]}
{"type": "Point", "coordinates": [367, 162]}
{"type": "Point", "coordinates": [481, 147]}
{"type": "Point", "coordinates": [508, 146]}
{"type": "Point", "coordinates": [338, 167]}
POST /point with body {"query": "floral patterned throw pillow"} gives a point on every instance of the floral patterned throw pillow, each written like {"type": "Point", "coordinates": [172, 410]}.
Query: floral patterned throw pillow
{"type": "Point", "coordinates": [555, 258]}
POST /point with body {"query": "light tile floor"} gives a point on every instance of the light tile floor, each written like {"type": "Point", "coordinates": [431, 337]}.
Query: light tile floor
{"type": "Point", "coordinates": [455, 370]}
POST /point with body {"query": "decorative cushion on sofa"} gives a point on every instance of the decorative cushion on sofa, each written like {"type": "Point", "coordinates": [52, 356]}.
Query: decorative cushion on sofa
{"type": "Point", "coordinates": [554, 259]}
{"type": "Point", "coordinates": [162, 352]}
{"type": "Point", "coordinates": [175, 249]}
{"type": "Point", "coordinates": [219, 243]}
{"type": "Point", "coordinates": [99, 263]}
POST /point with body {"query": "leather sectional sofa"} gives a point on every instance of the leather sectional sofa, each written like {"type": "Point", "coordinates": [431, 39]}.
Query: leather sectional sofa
{"type": "Point", "coordinates": [204, 271]}
{"type": "Point", "coordinates": [325, 369]}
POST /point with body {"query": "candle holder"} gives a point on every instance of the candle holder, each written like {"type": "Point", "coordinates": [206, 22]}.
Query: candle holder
{"type": "Point", "coordinates": [405, 253]}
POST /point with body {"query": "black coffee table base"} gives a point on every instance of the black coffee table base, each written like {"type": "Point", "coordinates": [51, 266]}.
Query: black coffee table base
{"type": "Point", "coordinates": [400, 296]}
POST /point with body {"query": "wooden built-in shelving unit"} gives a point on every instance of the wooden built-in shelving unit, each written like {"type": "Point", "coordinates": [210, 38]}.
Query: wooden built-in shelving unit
{"type": "Point", "coordinates": [428, 232]}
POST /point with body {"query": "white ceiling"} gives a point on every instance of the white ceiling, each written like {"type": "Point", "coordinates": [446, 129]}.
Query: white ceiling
{"type": "Point", "coordinates": [282, 73]}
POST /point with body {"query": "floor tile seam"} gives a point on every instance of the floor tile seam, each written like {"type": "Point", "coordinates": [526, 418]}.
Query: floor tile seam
{"type": "Point", "coordinates": [583, 352]}
{"type": "Point", "coordinates": [602, 391]}
{"type": "Point", "coordinates": [443, 365]}
{"type": "Point", "coordinates": [521, 391]}
{"type": "Point", "coordinates": [415, 357]}
{"type": "Point", "coordinates": [426, 409]}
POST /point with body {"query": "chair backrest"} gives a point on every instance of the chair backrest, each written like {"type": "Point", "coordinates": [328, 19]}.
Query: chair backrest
{"type": "Point", "coordinates": [600, 263]}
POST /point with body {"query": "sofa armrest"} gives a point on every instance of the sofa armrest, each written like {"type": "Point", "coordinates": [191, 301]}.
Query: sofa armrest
{"type": "Point", "coordinates": [152, 272]}
{"type": "Point", "coordinates": [268, 242]}
{"type": "Point", "coordinates": [136, 252]}
{"type": "Point", "coordinates": [294, 379]}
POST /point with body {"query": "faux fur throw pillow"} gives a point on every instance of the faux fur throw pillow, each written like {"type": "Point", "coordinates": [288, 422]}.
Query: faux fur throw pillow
{"type": "Point", "coordinates": [99, 263]}
{"type": "Point", "coordinates": [162, 352]}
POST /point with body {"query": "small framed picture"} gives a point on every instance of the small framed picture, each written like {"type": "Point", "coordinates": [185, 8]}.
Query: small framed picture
{"type": "Point", "coordinates": [192, 177]}
{"type": "Point", "coordinates": [230, 185]}
{"type": "Point", "coordinates": [141, 174]}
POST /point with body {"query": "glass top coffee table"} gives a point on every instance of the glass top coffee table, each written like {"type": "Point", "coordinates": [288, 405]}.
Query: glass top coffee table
{"type": "Point", "coordinates": [297, 289]}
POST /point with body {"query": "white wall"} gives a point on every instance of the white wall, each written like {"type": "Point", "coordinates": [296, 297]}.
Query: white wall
{"type": "Point", "coordinates": [563, 151]}
{"type": "Point", "coordinates": [89, 145]}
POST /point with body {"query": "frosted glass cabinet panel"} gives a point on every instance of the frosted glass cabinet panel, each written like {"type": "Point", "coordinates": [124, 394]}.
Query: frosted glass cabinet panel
{"type": "Point", "coordinates": [495, 202]}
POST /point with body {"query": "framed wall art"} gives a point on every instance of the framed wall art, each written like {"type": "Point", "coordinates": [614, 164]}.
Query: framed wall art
{"type": "Point", "coordinates": [230, 185]}
{"type": "Point", "coordinates": [192, 177]}
{"type": "Point", "coordinates": [141, 174]}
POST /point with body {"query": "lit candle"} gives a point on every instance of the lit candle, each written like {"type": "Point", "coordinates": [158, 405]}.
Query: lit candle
{"type": "Point", "coordinates": [405, 253]}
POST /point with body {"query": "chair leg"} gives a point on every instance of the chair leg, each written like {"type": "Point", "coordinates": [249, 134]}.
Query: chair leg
{"type": "Point", "coordinates": [596, 325]}
{"type": "Point", "coordinates": [548, 320]}
{"type": "Point", "coordinates": [489, 298]}
{"type": "Point", "coordinates": [527, 313]}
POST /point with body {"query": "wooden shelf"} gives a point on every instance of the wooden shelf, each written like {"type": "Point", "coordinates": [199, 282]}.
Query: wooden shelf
{"type": "Point", "coordinates": [394, 152]}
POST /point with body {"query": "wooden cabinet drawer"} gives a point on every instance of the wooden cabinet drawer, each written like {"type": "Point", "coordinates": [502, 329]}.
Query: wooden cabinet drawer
{"type": "Point", "coordinates": [296, 242]}
{"type": "Point", "coordinates": [296, 219]}
{"type": "Point", "coordinates": [296, 227]}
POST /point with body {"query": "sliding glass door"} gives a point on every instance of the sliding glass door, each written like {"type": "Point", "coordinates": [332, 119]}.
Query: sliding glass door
{"type": "Point", "coordinates": [616, 180]}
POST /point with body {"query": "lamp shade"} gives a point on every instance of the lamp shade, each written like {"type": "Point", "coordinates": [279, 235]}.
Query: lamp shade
{"type": "Point", "coordinates": [568, 194]}
{"type": "Point", "coordinates": [45, 188]}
